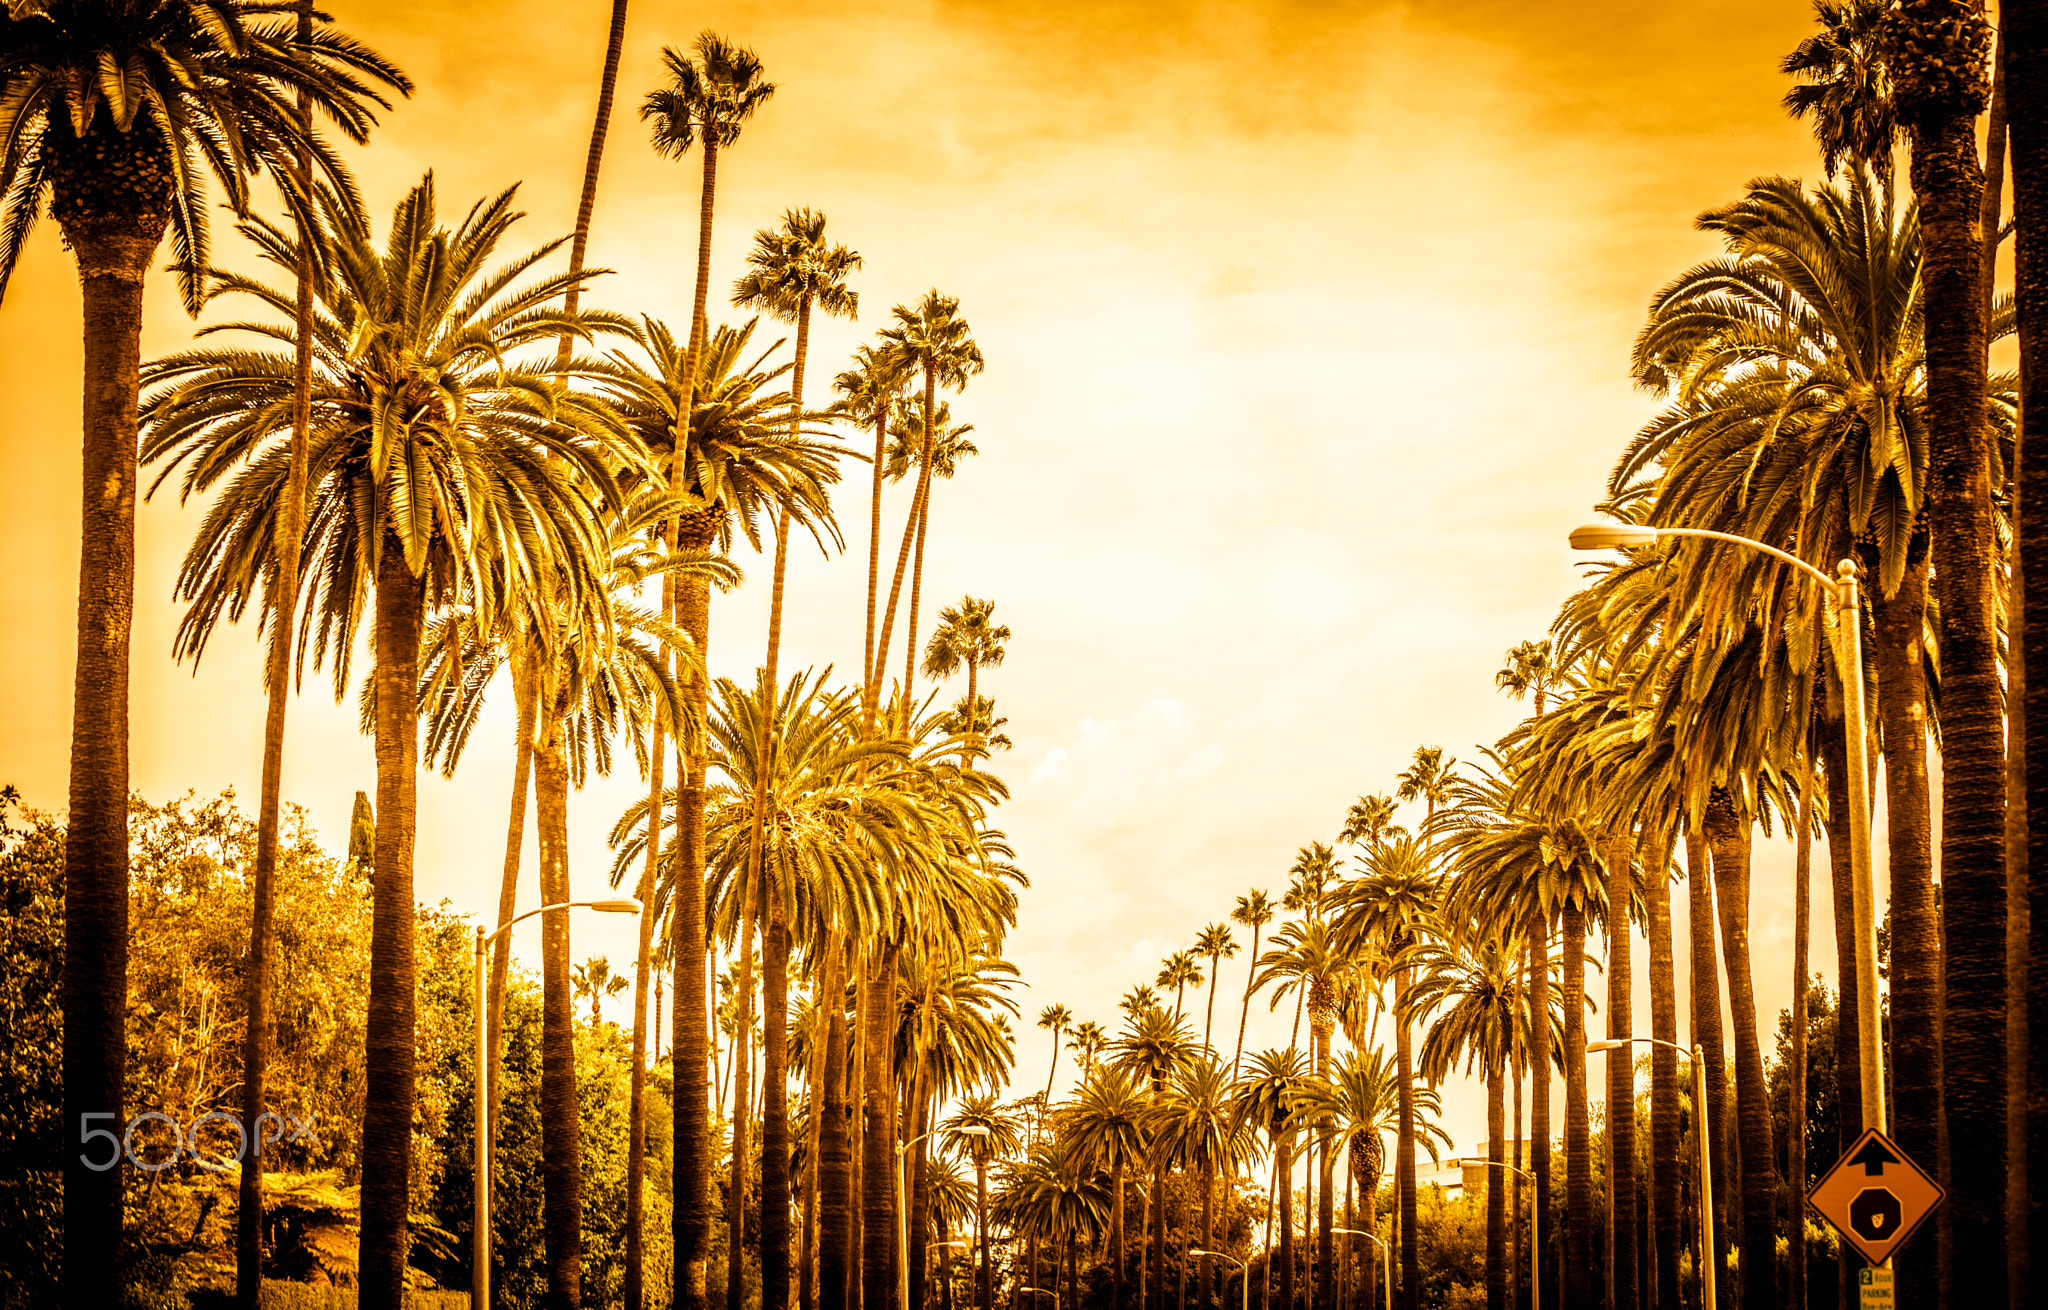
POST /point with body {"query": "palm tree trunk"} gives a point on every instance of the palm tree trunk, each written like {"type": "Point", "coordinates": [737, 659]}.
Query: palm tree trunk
{"type": "Point", "coordinates": [2025, 33]}
{"type": "Point", "coordinates": [561, 1151]}
{"type": "Point", "coordinates": [1938, 104]}
{"type": "Point", "coordinates": [1205, 1293]}
{"type": "Point", "coordinates": [636, 1124]}
{"type": "Point", "coordinates": [856, 1126]}
{"type": "Point", "coordinates": [1286, 1170]}
{"type": "Point", "coordinates": [593, 159]}
{"type": "Point", "coordinates": [692, 1209]}
{"type": "Point", "coordinates": [1578, 1151]}
{"type": "Point", "coordinates": [924, 513]}
{"type": "Point", "coordinates": [1707, 1036]}
{"type": "Point", "coordinates": [1404, 1157]}
{"type": "Point", "coordinates": [919, 1109]}
{"type": "Point", "coordinates": [1209, 1015]}
{"type": "Point", "coordinates": [1116, 1243]}
{"type": "Point", "coordinates": [524, 684]}
{"type": "Point", "coordinates": [114, 241]}
{"type": "Point", "coordinates": [775, 1221]}
{"type": "Point", "coordinates": [1156, 1203]}
{"type": "Point", "coordinates": [985, 1286]}
{"type": "Point", "coordinates": [1326, 1219]}
{"type": "Point", "coordinates": [1496, 1195]}
{"type": "Point", "coordinates": [1517, 1234]}
{"type": "Point", "coordinates": [868, 657]}
{"type": "Point", "coordinates": [910, 526]}
{"type": "Point", "coordinates": [814, 1146]}
{"type": "Point", "coordinates": [1916, 1002]}
{"type": "Point", "coordinates": [1621, 1072]}
{"type": "Point", "coordinates": [1369, 1272]}
{"type": "Point", "coordinates": [1664, 1162]}
{"type": "Point", "coordinates": [973, 700]}
{"type": "Point", "coordinates": [1050, 1072]}
{"type": "Point", "coordinates": [742, 1111]}
{"type": "Point", "coordinates": [835, 1156]}
{"type": "Point", "coordinates": [878, 1202]}
{"type": "Point", "coordinates": [389, 1072]}
{"type": "Point", "coordinates": [1848, 1092]}
{"type": "Point", "coordinates": [1251, 973]}
{"type": "Point", "coordinates": [1728, 835]}
{"type": "Point", "coordinates": [1795, 1132]}
{"type": "Point", "coordinates": [262, 878]}
{"type": "Point", "coordinates": [1540, 1075]}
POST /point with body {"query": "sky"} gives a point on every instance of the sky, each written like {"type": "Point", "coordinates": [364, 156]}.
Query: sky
{"type": "Point", "coordinates": [1306, 326]}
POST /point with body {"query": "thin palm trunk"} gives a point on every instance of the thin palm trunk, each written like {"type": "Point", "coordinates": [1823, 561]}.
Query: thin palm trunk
{"type": "Point", "coordinates": [1665, 1179]}
{"type": "Point", "coordinates": [742, 1112]}
{"type": "Point", "coordinates": [1205, 1294]}
{"type": "Point", "coordinates": [1404, 1150]}
{"type": "Point", "coordinates": [1621, 1066]}
{"type": "Point", "coordinates": [1729, 837]}
{"type": "Point", "coordinates": [524, 687]}
{"type": "Point", "coordinates": [692, 1209]}
{"type": "Point", "coordinates": [835, 1155]}
{"type": "Point", "coordinates": [1540, 1075]}
{"type": "Point", "coordinates": [1517, 1234]}
{"type": "Point", "coordinates": [1369, 1272]}
{"type": "Point", "coordinates": [561, 1151]}
{"type": "Point", "coordinates": [1578, 1153]}
{"type": "Point", "coordinates": [262, 878]}
{"type": "Point", "coordinates": [985, 1288]}
{"type": "Point", "coordinates": [636, 1124]}
{"type": "Point", "coordinates": [1496, 1194]}
{"type": "Point", "coordinates": [869, 659]}
{"type": "Point", "coordinates": [114, 233]}
{"type": "Point", "coordinates": [1707, 1036]}
{"type": "Point", "coordinates": [1046, 1108]}
{"type": "Point", "coordinates": [1795, 1132]}
{"type": "Point", "coordinates": [918, 1123]}
{"type": "Point", "coordinates": [1286, 1169]}
{"type": "Point", "coordinates": [1116, 1241]}
{"type": "Point", "coordinates": [878, 1201]}
{"type": "Point", "coordinates": [389, 1073]}
{"type": "Point", "coordinates": [923, 513]}
{"type": "Point", "coordinates": [1209, 1014]}
{"type": "Point", "coordinates": [1251, 973]}
{"type": "Point", "coordinates": [1917, 1027]}
{"type": "Point", "coordinates": [1326, 1284]}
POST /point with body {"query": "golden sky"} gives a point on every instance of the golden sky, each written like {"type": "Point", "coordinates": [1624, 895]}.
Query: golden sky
{"type": "Point", "coordinates": [1306, 329]}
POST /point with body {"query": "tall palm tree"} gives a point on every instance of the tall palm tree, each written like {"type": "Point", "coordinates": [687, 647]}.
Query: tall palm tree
{"type": "Point", "coordinates": [1254, 910]}
{"type": "Point", "coordinates": [426, 439]}
{"type": "Point", "coordinates": [1086, 1043]}
{"type": "Point", "coordinates": [1196, 1125]}
{"type": "Point", "coordinates": [115, 114]}
{"type": "Point", "coordinates": [792, 270]}
{"type": "Point", "coordinates": [1154, 1045]}
{"type": "Point", "coordinates": [867, 394]}
{"type": "Point", "coordinates": [932, 341]}
{"type": "Point", "coordinates": [1471, 995]}
{"type": "Point", "coordinates": [1274, 1097]}
{"type": "Point", "coordinates": [1105, 1124]}
{"type": "Point", "coordinates": [1179, 971]}
{"type": "Point", "coordinates": [1362, 1096]}
{"type": "Point", "coordinates": [1058, 1018]}
{"type": "Point", "coordinates": [1845, 85]}
{"type": "Point", "coordinates": [596, 983]}
{"type": "Point", "coordinates": [1938, 52]}
{"type": "Point", "coordinates": [711, 92]}
{"type": "Point", "coordinates": [1215, 942]}
{"type": "Point", "coordinates": [1000, 1136]}
{"type": "Point", "coordinates": [965, 635]}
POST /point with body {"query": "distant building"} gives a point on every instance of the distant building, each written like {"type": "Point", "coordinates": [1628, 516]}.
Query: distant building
{"type": "Point", "coordinates": [1466, 1175]}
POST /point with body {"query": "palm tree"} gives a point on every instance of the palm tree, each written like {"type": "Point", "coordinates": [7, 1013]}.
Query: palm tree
{"type": "Point", "coordinates": [1087, 1042]}
{"type": "Point", "coordinates": [711, 93]}
{"type": "Point", "coordinates": [1137, 1001]}
{"type": "Point", "coordinates": [1274, 1097]}
{"type": "Point", "coordinates": [1847, 86]}
{"type": "Point", "coordinates": [1058, 1018]}
{"type": "Point", "coordinates": [1215, 942]}
{"type": "Point", "coordinates": [1000, 1136]}
{"type": "Point", "coordinates": [1179, 971]}
{"type": "Point", "coordinates": [867, 393]}
{"type": "Point", "coordinates": [1254, 911]}
{"type": "Point", "coordinates": [1363, 1098]}
{"type": "Point", "coordinates": [1472, 996]}
{"type": "Point", "coordinates": [792, 270]}
{"type": "Point", "coordinates": [934, 341]}
{"type": "Point", "coordinates": [110, 110]}
{"type": "Point", "coordinates": [426, 438]}
{"type": "Point", "coordinates": [1938, 52]}
{"type": "Point", "coordinates": [1195, 1124]}
{"type": "Point", "coordinates": [964, 635]}
{"type": "Point", "coordinates": [1105, 1124]}
{"type": "Point", "coordinates": [1153, 1045]}
{"type": "Point", "coordinates": [596, 983]}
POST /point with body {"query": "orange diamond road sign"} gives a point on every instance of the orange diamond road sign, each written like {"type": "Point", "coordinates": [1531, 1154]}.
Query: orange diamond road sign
{"type": "Point", "coordinates": [1875, 1197]}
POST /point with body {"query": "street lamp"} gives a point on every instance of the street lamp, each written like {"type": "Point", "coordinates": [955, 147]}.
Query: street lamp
{"type": "Point", "coordinates": [1386, 1258]}
{"type": "Point", "coordinates": [1849, 660]}
{"type": "Point", "coordinates": [1708, 1255]}
{"type": "Point", "coordinates": [1054, 1294]}
{"type": "Point", "coordinates": [480, 1257]}
{"type": "Point", "coordinates": [1535, 1242]}
{"type": "Point", "coordinates": [1244, 1284]}
{"type": "Point", "coordinates": [903, 1207]}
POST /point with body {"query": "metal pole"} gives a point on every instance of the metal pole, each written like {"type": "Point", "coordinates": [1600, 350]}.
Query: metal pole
{"type": "Point", "coordinates": [1709, 1257]}
{"type": "Point", "coordinates": [1857, 734]}
{"type": "Point", "coordinates": [902, 1228]}
{"type": "Point", "coordinates": [480, 1259]}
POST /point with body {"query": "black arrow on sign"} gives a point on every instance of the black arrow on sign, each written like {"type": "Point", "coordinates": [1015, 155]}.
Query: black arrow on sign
{"type": "Point", "coordinates": [1873, 1157]}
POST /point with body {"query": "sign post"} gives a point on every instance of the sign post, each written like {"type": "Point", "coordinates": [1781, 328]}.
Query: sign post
{"type": "Point", "coordinates": [1875, 1197]}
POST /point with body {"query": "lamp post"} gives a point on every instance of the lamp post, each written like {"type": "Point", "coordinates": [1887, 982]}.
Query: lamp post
{"type": "Point", "coordinates": [1708, 1255]}
{"type": "Point", "coordinates": [1386, 1258]}
{"type": "Point", "coordinates": [903, 1207]}
{"type": "Point", "coordinates": [1849, 660]}
{"type": "Point", "coordinates": [1535, 1243]}
{"type": "Point", "coordinates": [480, 1169]}
{"type": "Point", "coordinates": [1244, 1283]}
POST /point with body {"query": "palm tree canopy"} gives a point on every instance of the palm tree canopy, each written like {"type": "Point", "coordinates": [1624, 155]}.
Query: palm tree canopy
{"type": "Point", "coordinates": [933, 339]}
{"type": "Point", "coordinates": [965, 635]}
{"type": "Point", "coordinates": [198, 88]}
{"type": "Point", "coordinates": [792, 266]}
{"type": "Point", "coordinates": [711, 91]}
{"type": "Point", "coordinates": [1845, 85]}
{"type": "Point", "coordinates": [427, 436]}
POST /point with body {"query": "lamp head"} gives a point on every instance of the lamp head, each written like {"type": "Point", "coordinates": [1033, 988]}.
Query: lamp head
{"type": "Point", "coordinates": [624, 905]}
{"type": "Point", "coordinates": [1606, 536]}
{"type": "Point", "coordinates": [1607, 1044]}
{"type": "Point", "coordinates": [972, 1130]}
